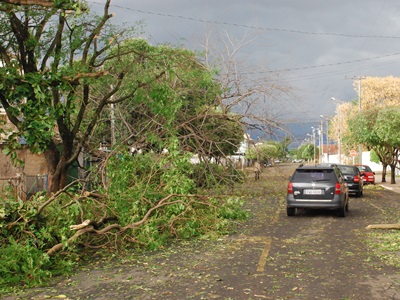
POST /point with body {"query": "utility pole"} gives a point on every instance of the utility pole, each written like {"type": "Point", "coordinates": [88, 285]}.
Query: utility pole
{"type": "Point", "coordinates": [359, 111]}
{"type": "Point", "coordinates": [313, 134]}
{"type": "Point", "coordinates": [338, 102]}
{"type": "Point", "coordinates": [327, 138]}
{"type": "Point", "coordinates": [326, 119]}
{"type": "Point", "coordinates": [359, 78]}
{"type": "Point", "coordinates": [321, 142]}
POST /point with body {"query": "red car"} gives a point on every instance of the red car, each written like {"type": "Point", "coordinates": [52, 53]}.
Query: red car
{"type": "Point", "coordinates": [367, 174]}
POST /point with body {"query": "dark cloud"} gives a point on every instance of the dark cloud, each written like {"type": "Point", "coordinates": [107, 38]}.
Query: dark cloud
{"type": "Point", "coordinates": [318, 47]}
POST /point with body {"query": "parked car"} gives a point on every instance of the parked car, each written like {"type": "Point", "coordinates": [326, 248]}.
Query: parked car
{"type": "Point", "coordinates": [352, 176]}
{"type": "Point", "coordinates": [317, 187]}
{"type": "Point", "coordinates": [367, 174]}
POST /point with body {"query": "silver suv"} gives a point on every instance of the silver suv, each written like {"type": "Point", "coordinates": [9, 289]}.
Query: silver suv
{"type": "Point", "coordinates": [317, 187]}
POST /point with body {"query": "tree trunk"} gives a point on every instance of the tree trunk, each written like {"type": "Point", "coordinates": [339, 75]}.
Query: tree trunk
{"type": "Point", "coordinates": [57, 168]}
{"type": "Point", "coordinates": [52, 158]}
{"type": "Point", "coordinates": [392, 174]}
{"type": "Point", "coordinates": [59, 178]}
{"type": "Point", "coordinates": [384, 172]}
{"type": "Point", "coordinates": [384, 226]}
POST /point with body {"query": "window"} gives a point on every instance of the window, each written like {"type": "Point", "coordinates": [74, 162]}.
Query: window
{"type": "Point", "coordinates": [313, 175]}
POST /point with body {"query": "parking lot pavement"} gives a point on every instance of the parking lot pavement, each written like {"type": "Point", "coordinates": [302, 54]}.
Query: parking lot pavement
{"type": "Point", "coordinates": [387, 185]}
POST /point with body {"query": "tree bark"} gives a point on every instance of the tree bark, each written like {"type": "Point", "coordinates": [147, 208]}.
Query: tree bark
{"type": "Point", "coordinates": [44, 3]}
{"type": "Point", "coordinates": [384, 226]}
{"type": "Point", "coordinates": [52, 157]}
{"type": "Point", "coordinates": [392, 173]}
{"type": "Point", "coordinates": [384, 172]}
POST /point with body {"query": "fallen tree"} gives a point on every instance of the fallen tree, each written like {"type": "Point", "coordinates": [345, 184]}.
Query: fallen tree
{"type": "Point", "coordinates": [92, 227]}
{"type": "Point", "coordinates": [384, 226]}
{"type": "Point", "coordinates": [141, 202]}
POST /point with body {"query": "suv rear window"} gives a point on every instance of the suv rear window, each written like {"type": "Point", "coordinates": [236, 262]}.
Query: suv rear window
{"type": "Point", "coordinates": [313, 175]}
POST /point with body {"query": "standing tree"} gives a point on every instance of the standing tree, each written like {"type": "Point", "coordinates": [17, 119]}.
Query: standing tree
{"type": "Point", "coordinates": [377, 129]}
{"type": "Point", "coordinates": [51, 58]}
{"type": "Point", "coordinates": [388, 127]}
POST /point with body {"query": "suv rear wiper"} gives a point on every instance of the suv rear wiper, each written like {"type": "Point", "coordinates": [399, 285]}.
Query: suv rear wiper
{"type": "Point", "coordinates": [318, 180]}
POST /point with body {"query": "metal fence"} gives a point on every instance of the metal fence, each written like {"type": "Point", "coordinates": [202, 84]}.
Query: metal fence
{"type": "Point", "coordinates": [24, 186]}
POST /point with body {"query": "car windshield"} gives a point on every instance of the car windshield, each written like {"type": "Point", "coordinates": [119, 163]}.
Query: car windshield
{"type": "Point", "coordinates": [313, 175]}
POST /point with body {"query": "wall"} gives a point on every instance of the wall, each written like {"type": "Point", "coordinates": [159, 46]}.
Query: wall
{"type": "Point", "coordinates": [26, 180]}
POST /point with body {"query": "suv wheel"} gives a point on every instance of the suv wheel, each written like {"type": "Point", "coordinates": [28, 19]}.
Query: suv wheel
{"type": "Point", "coordinates": [341, 212]}
{"type": "Point", "coordinates": [290, 211]}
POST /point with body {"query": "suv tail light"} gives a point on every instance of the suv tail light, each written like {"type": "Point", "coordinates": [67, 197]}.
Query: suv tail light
{"type": "Point", "coordinates": [337, 188]}
{"type": "Point", "coordinates": [290, 188]}
{"type": "Point", "coordinates": [356, 178]}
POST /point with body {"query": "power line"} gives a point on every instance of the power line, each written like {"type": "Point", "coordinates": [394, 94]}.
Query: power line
{"type": "Point", "coordinates": [323, 65]}
{"type": "Point", "coordinates": [250, 26]}
{"type": "Point", "coordinates": [274, 29]}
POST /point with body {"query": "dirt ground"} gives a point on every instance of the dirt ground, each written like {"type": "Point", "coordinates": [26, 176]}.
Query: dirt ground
{"type": "Point", "coordinates": [314, 255]}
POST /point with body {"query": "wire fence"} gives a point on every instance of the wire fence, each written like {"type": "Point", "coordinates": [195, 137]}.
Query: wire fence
{"type": "Point", "coordinates": [24, 186]}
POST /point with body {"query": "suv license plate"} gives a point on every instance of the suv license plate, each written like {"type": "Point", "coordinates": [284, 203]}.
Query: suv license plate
{"type": "Point", "coordinates": [313, 192]}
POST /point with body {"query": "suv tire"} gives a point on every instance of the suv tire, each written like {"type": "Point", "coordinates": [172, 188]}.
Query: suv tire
{"type": "Point", "coordinates": [341, 212]}
{"type": "Point", "coordinates": [290, 211]}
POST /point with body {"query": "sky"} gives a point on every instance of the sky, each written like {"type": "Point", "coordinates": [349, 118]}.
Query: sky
{"type": "Point", "coordinates": [319, 48]}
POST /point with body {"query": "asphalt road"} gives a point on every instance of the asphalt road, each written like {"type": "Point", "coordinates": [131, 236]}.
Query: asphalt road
{"type": "Point", "coordinates": [314, 255]}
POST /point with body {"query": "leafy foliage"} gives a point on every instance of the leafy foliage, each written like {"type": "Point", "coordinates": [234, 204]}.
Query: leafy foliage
{"type": "Point", "coordinates": [147, 200]}
{"type": "Point", "coordinates": [50, 59]}
{"type": "Point", "coordinates": [377, 129]}
{"type": "Point", "coordinates": [211, 176]}
{"type": "Point", "coordinates": [268, 150]}
{"type": "Point", "coordinates": [307, 152]}
{"type": "Point", "coordinates": [25, 237]}
{"type": "Point", "coordinates": [181, 103]}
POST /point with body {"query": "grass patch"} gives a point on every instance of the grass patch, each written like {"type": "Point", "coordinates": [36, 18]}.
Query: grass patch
{"type": "Point", "coordinates": [386, 246]}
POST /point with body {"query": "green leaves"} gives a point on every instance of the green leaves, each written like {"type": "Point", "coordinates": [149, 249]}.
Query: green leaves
{"type": "Point", "coordinates": [387, 126]}
{"type": "Point", "coordinates": [139, 183]}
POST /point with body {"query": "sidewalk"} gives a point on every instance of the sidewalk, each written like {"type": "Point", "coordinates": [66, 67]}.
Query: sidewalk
{"type": "Point", "coordinates": [387, 185]}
